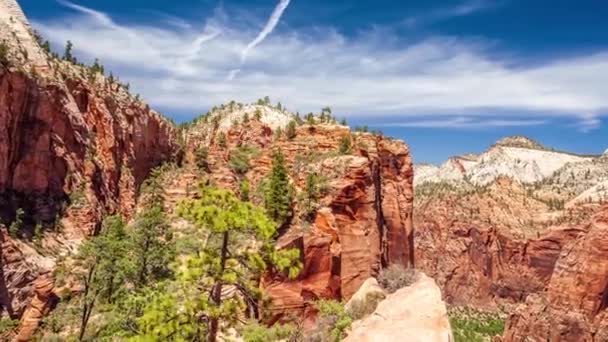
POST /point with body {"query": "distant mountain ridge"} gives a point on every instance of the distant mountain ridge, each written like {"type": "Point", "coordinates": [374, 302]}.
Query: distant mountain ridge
{"type": "Point", "coordinates": [518, 157]}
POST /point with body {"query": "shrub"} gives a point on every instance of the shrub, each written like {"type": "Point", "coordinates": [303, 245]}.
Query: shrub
{"type": "Point", "coordinates": [255, 332]}
{"type": "Point", "coordinates": [278, 133]}
{"type": "Point", "coordinates": [200, 158]}
{"type": "Point", "coordinates": [221, 139]}
{"type": "Point", "coordinates": [361, 308]}
{"type": "Point", "coordinates": [396, 277]}
{"type": "Point", "coordinates": [333, 322]}
{"type": "Point", "coordinates": [290, 131]}
{"type": "Point", "coordinates": [38, 233]}
{"type": "Point", "coordinates": [244, 190]}
{"type": "Point", "coordinates": [15, 228]}
{"type": "Point", "coordinates": [474, 326]}
{"type": "Point", "coordinates": [239, 159]}
{"type": "Point", "coordinates": [3, 53]}
{"type": "Point", "coordinates": [7, 325]}
{"type": "Point", "coordinates": [345, 145]}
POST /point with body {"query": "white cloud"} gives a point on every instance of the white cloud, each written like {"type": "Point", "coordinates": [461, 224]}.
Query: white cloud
{"type": "Point", "coordinates": [463, 122]}
{"type": "Point", "coordinates": [439, 14]}
{"type": "Point", "coordinates": [184, 70]}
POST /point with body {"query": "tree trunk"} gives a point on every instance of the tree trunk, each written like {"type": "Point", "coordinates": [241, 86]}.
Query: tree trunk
{"type": "Point", "coordinates": [144, 262]}
{"type": "Point", "coordinates": [216, 293]}
{"type": "Point", "coordinates": [87, 307]}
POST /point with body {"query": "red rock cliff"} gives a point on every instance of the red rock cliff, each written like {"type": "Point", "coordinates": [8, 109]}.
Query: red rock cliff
{"type": "Point", "coordinates": [74, 146]}
{"type": "Point", "coordinates": [574, 307]}
{"type": "Point", "coordinates": [364, 220]}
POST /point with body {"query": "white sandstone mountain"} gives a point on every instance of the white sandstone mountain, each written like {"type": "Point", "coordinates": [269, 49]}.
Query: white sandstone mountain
{"type": "Point", "coordinates": [520, 158]}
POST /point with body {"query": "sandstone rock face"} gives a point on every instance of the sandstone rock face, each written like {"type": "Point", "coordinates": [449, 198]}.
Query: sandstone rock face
{"type": "Point", "coordinates": [574, 307]}
{"type": "Point", "coordinates": [39, 306]}
{"type": "Point", "coordinates": [414, 313]}
{"type": "Point", "coordinates": [489, 248]}
{"type": "Point", "coordinates": [494, 243]}
{"type": "Point", "coordinates": [364, 218]}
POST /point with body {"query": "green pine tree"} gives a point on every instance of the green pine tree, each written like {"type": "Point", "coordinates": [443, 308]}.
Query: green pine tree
{"type": "Point", "coordinates": [153, 248]}
{"type": "Point", "coordinates": [195, 309]}
{"type": "Point", "coordinates": [67, 53]}
{"type": "Point", "coordinates": [311, 194]}
{"type": "Point", "coordinates": [278, 197]}
{"type": "Point", "coordinates": [102, 268]}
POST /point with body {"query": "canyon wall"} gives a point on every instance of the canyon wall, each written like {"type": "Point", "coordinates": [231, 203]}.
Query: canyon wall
{"type": "Point", "coordinates": [74, 146]}
{"type": "Point", "coordinates": [574, 307]}
{"type": "Point", "coordinates": [363, 221]}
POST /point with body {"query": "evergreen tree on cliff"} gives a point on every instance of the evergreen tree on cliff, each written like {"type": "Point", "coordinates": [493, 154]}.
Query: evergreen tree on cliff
{"type": "Point", "coordinates": [240, 247]}
{"type": "Point", "coordinates": [278, 198]}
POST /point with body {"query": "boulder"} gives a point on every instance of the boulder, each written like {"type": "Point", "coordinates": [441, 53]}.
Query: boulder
{"type": "Point", "coordinates": [414, 313]}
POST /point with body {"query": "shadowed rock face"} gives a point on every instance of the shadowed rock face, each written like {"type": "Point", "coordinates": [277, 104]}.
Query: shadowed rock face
{"type": "Point", "coordinates": [574, 307]}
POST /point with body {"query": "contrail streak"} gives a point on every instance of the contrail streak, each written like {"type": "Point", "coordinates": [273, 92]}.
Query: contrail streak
{"type": "Point", "coordinates": [268, 28]}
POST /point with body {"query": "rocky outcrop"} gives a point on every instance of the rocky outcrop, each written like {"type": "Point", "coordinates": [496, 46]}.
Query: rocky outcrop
{"type": "Point", "coordinates": [370, 290]}
{"type": "Point", "coordinates": [364, 224]}
{"type": "Point", "coordinates": [413, 313]}
{"type": "Point", "coordinates": [574, 307]}
{"type": "Point", "coordinates": [364, 218]}
{"type": "Point", "coordinates": [38, 308]}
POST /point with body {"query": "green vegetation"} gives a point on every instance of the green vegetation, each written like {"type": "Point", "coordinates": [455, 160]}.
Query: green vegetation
{"type": "Point", "coordinates": [244, 190]}
{"type": "Point", "coordinates": [345, 145]}
{"type": "Point", "coordinates": [7, 325]}
{"type": "Point", "coordinates": [278, 197]}
{"type": "Point", "coordinates": [200, 158]}
{"type": "Point", "coordinates": [361, 308]}
{"type": "Point", "coordinates": [309, 198]}
{"type": "Point", "coordinates": [332, 324]}
{"type": "Point", "coordinates": [240, 159]}
{"type": "Point", "coordinates": [290, 131]}
{"type": "Point", "coordinates": [258, 114]}
{"type": "Point", "coordinates": [14, 229]}
{"type": "Point", "coordinates": [221, 139]}
{"type": "Point", "coordinates": [153, 248]}
{"type": "Point", "coordinates": [475, 326]}
{"type": "Point", "coordinates": [395, 277]}
{"type": "Point", "coordinates": [67, 53]}
{"type": "Point", "coordinates": [228, 259]}
{"type": "Point", "coordinates": [362, 129]}
{"type": "Point", "coordinates": [255, 332]}
{"type": "Point", "coordinates": [103, 268]}
{"type": "Point", "coordinates": [3, 54]}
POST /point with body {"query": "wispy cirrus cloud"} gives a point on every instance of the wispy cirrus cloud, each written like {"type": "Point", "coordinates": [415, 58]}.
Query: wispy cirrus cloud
{"type": "Point", "coordinates": [443, 13]}
{"type": "Point", "coordinates": [463, 122]}
{"type": "Point", "coordinates": [183, 69]}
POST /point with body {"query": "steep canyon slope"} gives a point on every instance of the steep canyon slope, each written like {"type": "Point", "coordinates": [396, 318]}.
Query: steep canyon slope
{"type": "Point", "coordinates": [74, 146]}
{"type": "Point", "coordinates": [362, 218]}
{"type": "Point", "coordinates": [502, 228]}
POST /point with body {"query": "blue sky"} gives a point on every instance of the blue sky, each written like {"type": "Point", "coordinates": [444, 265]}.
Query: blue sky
{"type": "Point", "coordinates": [449, 77]}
